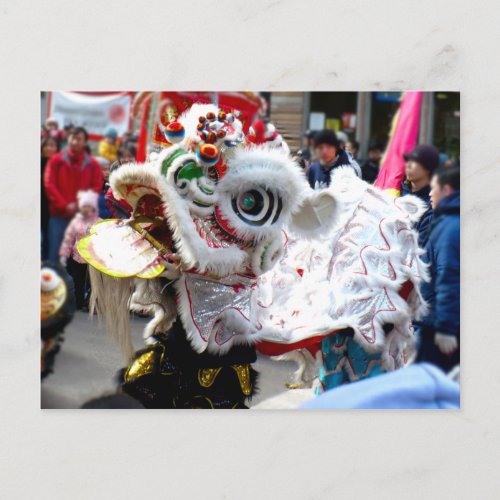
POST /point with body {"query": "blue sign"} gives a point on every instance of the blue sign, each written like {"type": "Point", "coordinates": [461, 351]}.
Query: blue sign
{"type": "Point", "coordinates": [388, 96]}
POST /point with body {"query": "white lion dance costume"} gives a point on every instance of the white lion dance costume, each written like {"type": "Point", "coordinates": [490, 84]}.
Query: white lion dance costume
{"type": "Point", "coordinates": [207, 220]}
{"type": "Point", "coordinates": [344, 300]}
{"type": "Point", "coordinates": [203, 254]}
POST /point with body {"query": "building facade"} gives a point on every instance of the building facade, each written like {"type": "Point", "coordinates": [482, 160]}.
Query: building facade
{"type": "Point", "coordinates": [365, 117]}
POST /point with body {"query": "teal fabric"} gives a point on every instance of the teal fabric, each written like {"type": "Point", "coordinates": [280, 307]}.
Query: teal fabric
{"type": "Point", "coordinates": [344, 360]}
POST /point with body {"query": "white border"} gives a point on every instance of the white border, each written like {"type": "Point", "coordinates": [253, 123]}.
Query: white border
{"type": "Point", "coordinates": [278, 45]}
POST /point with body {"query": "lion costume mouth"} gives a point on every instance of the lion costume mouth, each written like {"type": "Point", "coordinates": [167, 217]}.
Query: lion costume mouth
{"type": "Point", "coordinates": [211, 232]}
{"type": "Point", "coordinates": [123, 249]}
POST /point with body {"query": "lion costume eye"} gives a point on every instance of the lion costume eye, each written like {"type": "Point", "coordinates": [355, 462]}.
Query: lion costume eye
{"type": "Point", "coordinates": [257, 207]}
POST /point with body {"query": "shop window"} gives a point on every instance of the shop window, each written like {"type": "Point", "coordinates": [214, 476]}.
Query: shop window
{"type": "Point", "coordinates": [447, 123]}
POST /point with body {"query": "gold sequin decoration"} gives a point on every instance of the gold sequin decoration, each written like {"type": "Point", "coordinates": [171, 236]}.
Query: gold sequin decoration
{"type": "Point", "coordinates": [243, 372]}
{"type": "Point", "coordinates": [143, 365]}
{"type": "Point", "coordinates": [207, 376]}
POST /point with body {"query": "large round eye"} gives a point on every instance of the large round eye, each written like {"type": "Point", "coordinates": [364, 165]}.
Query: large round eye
{"type": "Point", "coordinates": [251, 202]}
{"type": "Point", "coordinates": [257, 206]}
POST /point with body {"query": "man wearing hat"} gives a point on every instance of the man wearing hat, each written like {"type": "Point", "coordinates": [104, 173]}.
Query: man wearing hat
{"type": "Point", "coordinates": [420, 166]}
{"type": "Point", "coordinates": [330, 156]}
{"type": "Point", "coordinates": [440, 329]}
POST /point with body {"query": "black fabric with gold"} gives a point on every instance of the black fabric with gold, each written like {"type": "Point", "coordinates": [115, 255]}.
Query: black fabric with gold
{"type": "Point", "coordinates": [169, 374]}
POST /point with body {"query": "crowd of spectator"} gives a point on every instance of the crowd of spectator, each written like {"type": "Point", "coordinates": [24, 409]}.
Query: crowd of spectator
{"type": "Point", "coordinates": [75, 193]}
{"type": "Point", "coordinates": [435, 179]}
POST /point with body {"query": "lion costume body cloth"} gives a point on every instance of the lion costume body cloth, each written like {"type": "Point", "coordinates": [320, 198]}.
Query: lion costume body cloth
{"type": "Point", "coordinates": [343, 302]}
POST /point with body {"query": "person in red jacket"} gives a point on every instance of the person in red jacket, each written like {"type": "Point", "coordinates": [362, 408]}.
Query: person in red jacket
{"type": "Point", "coordinates": [66, 173]}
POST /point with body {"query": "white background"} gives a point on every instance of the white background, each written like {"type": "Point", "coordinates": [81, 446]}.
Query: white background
{"type": "Point", "coordinates": [258, 45]}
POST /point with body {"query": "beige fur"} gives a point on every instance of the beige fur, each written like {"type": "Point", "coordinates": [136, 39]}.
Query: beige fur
{"type": "Point", "coordinates": [110, 300]}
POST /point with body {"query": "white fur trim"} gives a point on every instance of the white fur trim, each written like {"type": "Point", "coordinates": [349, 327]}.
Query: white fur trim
{"type": "Point", "coordinates": [266, 254]}
{"type": "Point", "coordinates": [145, 176]}
{"type": "Point", "coordinates": [148, 299]}
{"type": "Point", "coordinates": [361, 292]}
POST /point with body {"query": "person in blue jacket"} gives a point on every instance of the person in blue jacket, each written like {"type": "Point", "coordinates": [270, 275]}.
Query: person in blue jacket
{"type": "Point", "coordinates": [440, 331]}
{"type": "Point", "coordinates": [420, 165]}
{"type": "Point", "coordinates": [420, 386]}
{"type": "Point", "coordinates": [330, 156]}
{"type": "Point", "coordinates": [104, 210]}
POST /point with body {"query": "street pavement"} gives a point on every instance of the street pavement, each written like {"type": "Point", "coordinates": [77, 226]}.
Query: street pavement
{"type": "Point", "coordinates": [87, 364]}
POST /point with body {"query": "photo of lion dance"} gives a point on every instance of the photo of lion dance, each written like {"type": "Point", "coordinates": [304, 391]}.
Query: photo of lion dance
{"type": "Point", "coordinates": [230, 251]}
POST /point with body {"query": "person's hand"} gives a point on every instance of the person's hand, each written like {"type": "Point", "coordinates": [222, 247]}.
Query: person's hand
{"type": "Point", "coordinates": [447, 344]}
{"type": "Point", "coordinates": [71, 209]}
{"type": "Point", "coordinates": [63, 261]}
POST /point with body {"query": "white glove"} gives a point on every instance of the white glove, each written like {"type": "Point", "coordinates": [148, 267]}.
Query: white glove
{"type": "Point", "coordinates": [63, 261]}
{"type": "Point", "coordinates": [172, 267]}
{"type": "Point", "coordinates": [447, 344]}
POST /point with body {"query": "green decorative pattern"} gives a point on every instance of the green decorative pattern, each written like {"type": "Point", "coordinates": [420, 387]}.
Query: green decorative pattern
{"type": "Point", "coordinates": [166, 164]}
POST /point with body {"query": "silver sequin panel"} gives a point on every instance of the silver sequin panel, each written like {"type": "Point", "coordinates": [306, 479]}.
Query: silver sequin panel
{"type": "Point", "coordinates": [217, 307]}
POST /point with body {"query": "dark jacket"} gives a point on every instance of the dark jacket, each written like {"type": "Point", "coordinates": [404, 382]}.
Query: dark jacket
{"type": "Point", "coordinates": [443, 255]}
{"type": "Point", "coordinates": [318, 176]}
{"type": "Point", "coordinates": [369, 171]}
{"type": "Point", "coordinates": [104, 209]}
{"type": "Point", "coordinates": [423, 225]}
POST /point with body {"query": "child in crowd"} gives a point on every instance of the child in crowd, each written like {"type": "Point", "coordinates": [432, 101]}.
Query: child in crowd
{"type": "Point", "coordinates": [109, 146]}
{"type": "Point", "coordinates": [76, 230]}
